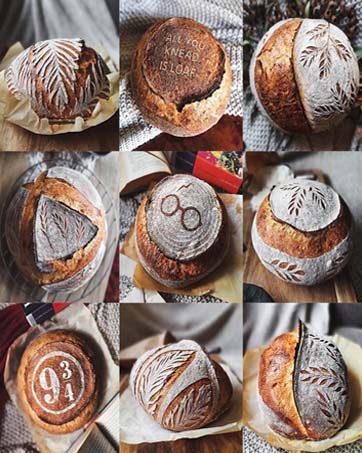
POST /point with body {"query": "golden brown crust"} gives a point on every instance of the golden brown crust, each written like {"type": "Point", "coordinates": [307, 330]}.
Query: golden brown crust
{"type": "Point", "coordinates": [43, 354]}
{"type": "Point", "coordinates": [87, 59]}
{"type": "Point", "coordinates": [181, 88]}
{"type": "Point", "coordinates": [173, 270]}
{"type": "Point", "coordinates": [275, 382]}
{"type": "Point", "coordinates": [275, 81]}
{"type": "Point", "coordinates": [62, 269]}
{"type": "Point", "coordinates": [226, 389]}
{"type": "Point", "coordinates": [300, 244]}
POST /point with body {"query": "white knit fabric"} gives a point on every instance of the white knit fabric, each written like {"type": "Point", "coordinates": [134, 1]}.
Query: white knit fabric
{"type": "Point", "coordinates": [223, 17]}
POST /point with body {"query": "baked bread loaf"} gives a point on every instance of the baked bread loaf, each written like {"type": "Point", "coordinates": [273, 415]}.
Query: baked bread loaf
{"type": "Point", "coordinates": [303, 386]}
{"type": "Point", "coordinates": [62, 79]}
{"type": "Point", "coordinates": [181, 77]}
{"type": "Point", "coordinates": [304, 75]}
{"type": "Point", "coordinates": [180, 386]}
{"type": "Point", "coordinates": [56, 229]}
{"type": "Point", "coordinates": [57, 382]}
{"type": "Point", "coordinates": [302, 232]}
{"type": "Point", "coordinates": [181, 231]}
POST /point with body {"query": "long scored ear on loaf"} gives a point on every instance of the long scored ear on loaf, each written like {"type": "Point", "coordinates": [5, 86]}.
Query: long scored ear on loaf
{"type": "Point", "coordinates": [321, 389]}
{"type": "Point", "coordinates": [178, 385]}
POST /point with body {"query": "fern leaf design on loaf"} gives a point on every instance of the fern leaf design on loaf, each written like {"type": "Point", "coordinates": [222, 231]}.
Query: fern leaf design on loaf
{"type": "Point", "coordinates": [193, 408]}
{"type": "Point", "coordinates": [62, 78]}
{"type": "Point", "coordinates": [312, 52]}
{"type": "Point", "coordinates": [56, 62]}
{"type": "Point", "coordinates": [286, 271]}
{"type": "Point", "coordinates": [157, 375]}
{"type": "Point", "coordinates": [340, 101]}
{"type": "Point", "coordinates": [180, 386]}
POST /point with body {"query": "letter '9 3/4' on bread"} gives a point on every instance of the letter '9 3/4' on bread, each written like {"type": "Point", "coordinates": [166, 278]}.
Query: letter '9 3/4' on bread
{"type": "Point", "coordinates": [304, 75]}
{"type": "Point", "coordinates": [181, 77]}
{"type": "Point", "coordinates": [180, 386]}
{"type": "Point", "coordinates": [57, 382]}
{"type": "Point", "coordinates": [303, 386]}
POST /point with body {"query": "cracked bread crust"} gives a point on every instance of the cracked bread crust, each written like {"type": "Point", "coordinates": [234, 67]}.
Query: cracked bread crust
{"type": "Point", "coordinates": [181, 77]}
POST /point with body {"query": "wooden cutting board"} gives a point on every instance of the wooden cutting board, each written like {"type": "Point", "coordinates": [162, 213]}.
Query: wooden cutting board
{"type": "Point", "coordinates": [338, 289]}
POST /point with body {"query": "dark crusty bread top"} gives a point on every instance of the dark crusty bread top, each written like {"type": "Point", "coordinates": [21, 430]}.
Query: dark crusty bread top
{"type": "Point", "coordinates": [183, 62]}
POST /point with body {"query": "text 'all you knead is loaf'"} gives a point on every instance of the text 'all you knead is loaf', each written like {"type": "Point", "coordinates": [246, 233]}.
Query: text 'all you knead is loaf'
{"type": "Point", "coordinates": [302, 232]}
{"type": "Point", "coordinates": [56, 229]}
{"type": "Point", "coordinates": [181, 77]}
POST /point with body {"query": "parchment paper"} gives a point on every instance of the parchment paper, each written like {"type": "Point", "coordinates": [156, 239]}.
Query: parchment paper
{"type": "Point", "coordinates": [253, 417]}
{"type": "Point", "coordinates": [132, 415]}
{"type": "Point", "coordinates": [75, 317]}
{"type": "Point", "coordinates": [21, 113]}
{"type": "Point", "coordinates": [225, 282]}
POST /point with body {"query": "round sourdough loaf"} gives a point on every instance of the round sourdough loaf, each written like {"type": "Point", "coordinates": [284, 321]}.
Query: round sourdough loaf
{"type": "Point", "coordinates": [181, 231]}
{"type": "Point", "coordinates": [180, 386]}
{"type": "Point", "coordinates": [302, 232]}
{"type": "Point", "coordinates": [304, 75]}
{"type": "Point", "coordinates": [62, 79]}
{"type": "Point", "coordinates": [181, 77]}
{"type": "Point", "coordinates": [57, 382]}
{"type": "Point", "coordinates": [303, 386]}
{"type": "Point", "coordinates": [56, 229]}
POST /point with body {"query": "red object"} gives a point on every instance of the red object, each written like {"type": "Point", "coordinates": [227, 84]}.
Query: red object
{"type": "Point", "coordinates": [12, 324]}
{"type": "Point", "coordinates": [206, 168]}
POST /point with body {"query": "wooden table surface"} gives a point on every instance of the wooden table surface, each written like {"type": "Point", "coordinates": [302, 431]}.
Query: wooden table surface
{"type": "Point", "coordinates": [101, 138]}
{"type": "Point", "coordinates": [12, 165]}
{"type": "Point", "coordinates": [221, 443]}
{"type": "Point", "coordinates": [226, 135]}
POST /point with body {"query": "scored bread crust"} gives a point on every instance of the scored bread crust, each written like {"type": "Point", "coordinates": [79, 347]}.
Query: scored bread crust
{"type": "Point", "coordinates": [60, 424]}
{"type": "Point", "coordinates": [62, 79]}
{"type": "Point", "coordinates": [297, 243]}
{"type": "Point", "coordinates": [171, 272]}
{"type": "Point", "coordinates": [183, 369]}
{"type": "Point", "coordinates": [303, 386]}
{"type": "Point", "coordinates": [275, 83]}
{"type": "Point", "coordinates": [276, 386]}
{"type": "Point", "coordinates": [21, 244]}
{"type": "Point", "coordinates": [196, 114]}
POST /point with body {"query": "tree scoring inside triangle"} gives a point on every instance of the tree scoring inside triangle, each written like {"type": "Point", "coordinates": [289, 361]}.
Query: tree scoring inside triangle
{"type": "Point", "coordinates": [59, 231]}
